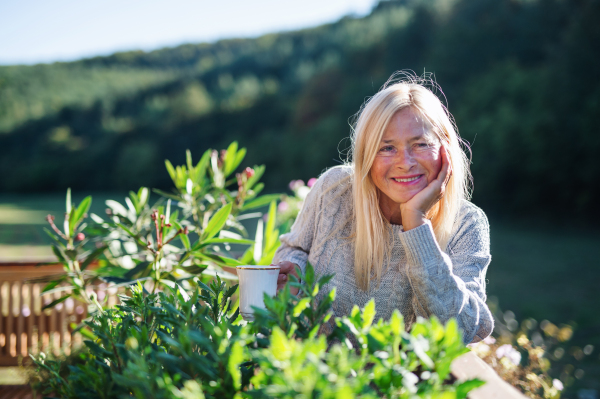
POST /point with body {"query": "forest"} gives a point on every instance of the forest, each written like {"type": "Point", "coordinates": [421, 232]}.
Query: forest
{"type": "Point", "coordinates": [521, 77]}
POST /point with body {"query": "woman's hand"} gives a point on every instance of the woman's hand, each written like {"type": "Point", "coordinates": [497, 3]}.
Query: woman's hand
{"type": "Point", "coordinates": [286, 268]}
{"type": "Point", "coordinates": [415, 210]}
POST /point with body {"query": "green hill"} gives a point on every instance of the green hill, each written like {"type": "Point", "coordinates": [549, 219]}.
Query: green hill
{"type": "Point", "coordinates": [521, 77]}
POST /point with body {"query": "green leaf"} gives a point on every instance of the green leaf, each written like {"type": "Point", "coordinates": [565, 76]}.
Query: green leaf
{"type": "Point", "coordinates": [239, 157]}
{"type": "Point", "coordinates": [397, 323]}
{"type": "Point", "coordinates": [81, 210]}
{"type": "Point", "coordinates": [143, 196]}
{"type": "Point", "coordinates": [68, 201]}
{"type": "Point", "coordinates": [62, 257]}
{"type": "Point", "coordinates": [258, 172]}
{"type": "Point", "coordinates": [84, 330]}
{"type": "Point", "coordinates": [168, 212]}
{"type": "Point", "coordinates": [271, 235]}
{"type": "Point", "coordinates": [188, 160]}
{"type": "Point", "coordinates": [216, 222]}
{"type": "Point", "coordinates": [309, 274]}
{"type": "Point", "coordinates": [463, 389]}
{"type": "Point", "coordinates": [280, 346]}
{"type": "Point", "coordinates": [91, 257]}
{"type": "Point", "coordinates": [56, 302]}
{"type": "Point", "coordinates": [51, 285]}
{"type": "Point", "coordinates": [260, 201]}
{"type": "Point", "coordinates": [230, 158]}
{"type": "Point", "coordinates": [137, 269]}
{"type": "Point", "coordinates": [54, 238]}
{"type": "Point", "coordinates": [236, 357]}
{"type": "Point", "coordinates": [167, 195]}
{"type": "Point", "coordinates": [116, 207]}
{"type": "Point", "coordinates": [201, 166]}
{"type": "Point", "coordinates": [369, 314]}
{"type": "Point", "coordinates": [185, 240]}
{"type": "Point", "coordinates": [171, 171]}
{"type": "Point", "coordinates": [220, 260]}
{"type": "Point", "coordinates": [228, 241]}
{"type": "Point", "coordinates": [301, 305]}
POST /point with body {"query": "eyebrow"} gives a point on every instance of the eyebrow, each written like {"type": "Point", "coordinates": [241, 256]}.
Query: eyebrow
{"type": "Point", "coordinates": [414, 138]}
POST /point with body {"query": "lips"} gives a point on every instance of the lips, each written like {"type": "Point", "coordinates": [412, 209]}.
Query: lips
{"type": "Point", "coordinates": [407, 179]}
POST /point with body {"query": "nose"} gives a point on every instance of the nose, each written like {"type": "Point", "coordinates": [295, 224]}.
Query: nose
{"type": "Point", "coordinates": [405, 159]}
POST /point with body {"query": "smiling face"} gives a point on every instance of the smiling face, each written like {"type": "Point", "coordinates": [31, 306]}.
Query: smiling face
{"type": "Point", "coordinates": [408, 159]}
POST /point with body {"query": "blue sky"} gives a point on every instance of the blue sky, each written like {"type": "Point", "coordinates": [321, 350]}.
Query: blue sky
{"type": "Point", "coordinates": [34, 31]}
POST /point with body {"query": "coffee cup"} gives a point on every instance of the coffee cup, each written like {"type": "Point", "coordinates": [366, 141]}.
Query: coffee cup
{"type": "Point", "coordinates": [255, 281]}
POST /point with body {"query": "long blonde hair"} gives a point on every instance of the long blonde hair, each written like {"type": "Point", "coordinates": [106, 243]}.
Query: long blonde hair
{"type": "Point", "coordinates": [371, 232]}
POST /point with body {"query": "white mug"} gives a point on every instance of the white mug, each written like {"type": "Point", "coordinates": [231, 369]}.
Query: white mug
{"type": "Point", "coordinates": [254, 282]}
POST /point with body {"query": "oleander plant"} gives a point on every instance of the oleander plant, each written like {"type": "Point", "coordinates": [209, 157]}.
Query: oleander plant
{"type": "Point", "coordinates": [183, 237]}
{"type": "Point", "coordinates": [171, 344]}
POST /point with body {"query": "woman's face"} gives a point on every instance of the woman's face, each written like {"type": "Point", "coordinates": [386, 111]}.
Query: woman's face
{"type": "Point", "coordinates": [407, 160]}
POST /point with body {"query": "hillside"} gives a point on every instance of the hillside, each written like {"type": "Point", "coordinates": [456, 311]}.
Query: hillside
{"type": "Point", "coordinates": [520, 76]}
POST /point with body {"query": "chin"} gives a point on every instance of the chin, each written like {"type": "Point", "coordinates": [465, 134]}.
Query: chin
{"type": "Point", "coordinates": [405, 197]}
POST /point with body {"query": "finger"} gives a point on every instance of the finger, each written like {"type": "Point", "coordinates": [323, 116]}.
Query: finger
{"type": "Point", "coordinates": [285, 267]}
{"type": "Point", "coordinates": [444, 172]}
{"type": "Point", "coordinates": [282, 278]}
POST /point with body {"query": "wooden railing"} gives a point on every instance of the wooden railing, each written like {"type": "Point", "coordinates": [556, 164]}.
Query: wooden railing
{"type": "Point", "coordinates": [24, 327]}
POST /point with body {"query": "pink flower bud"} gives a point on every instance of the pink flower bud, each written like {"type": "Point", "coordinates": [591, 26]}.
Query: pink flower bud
{"type": "Point", "coordinates": [249, 172]}
{"type": "Point", "coordinates": [185, 230]}
{"type": "Point", "coordinates": [296, 184]}
{"type": "Point", "coordinates": [283, 206]}
{"type": "Point", "coordinates": [79, 237]}
{"type": "Point", "coordinates": [311, 182]}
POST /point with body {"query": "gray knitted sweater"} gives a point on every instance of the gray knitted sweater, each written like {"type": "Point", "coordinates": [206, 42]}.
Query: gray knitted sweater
{"type": "Point", "coordinates": [419, 280]}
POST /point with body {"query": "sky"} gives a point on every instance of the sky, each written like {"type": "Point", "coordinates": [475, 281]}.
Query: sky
{"type": "Point", "coordinates": [44, 31]}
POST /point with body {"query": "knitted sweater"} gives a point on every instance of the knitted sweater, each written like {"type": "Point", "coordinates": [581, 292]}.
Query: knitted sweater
{"type": "Point", "coordinates": [419, 279]}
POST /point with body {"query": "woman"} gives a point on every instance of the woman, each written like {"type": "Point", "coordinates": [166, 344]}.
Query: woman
{"type": "Point", "coordinates": [395, 224]}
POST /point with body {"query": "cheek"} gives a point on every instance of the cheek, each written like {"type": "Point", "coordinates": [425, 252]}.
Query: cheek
{"type": "Point", "coordinates": [432, 162]}
{"type": "Point", "coordinates": [380, 167]}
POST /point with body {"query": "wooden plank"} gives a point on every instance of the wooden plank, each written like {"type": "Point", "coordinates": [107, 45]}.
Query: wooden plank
{"type": "Point", "coordinates": [52, 327]}
{"type": "Point", "coordinates": [470, 366]}
{"type": "Point", "coordinates": [30, 318]}
{"type": "Point", "coordinates": [9, 322]}
{"type": "Point", "coordinates": [3, 288]}
{"type": "Point", "coordinates": [28, 271]}
{"type": "Point", "coordinates": [20, 320]}
{"type": "Point", "coordinates": [41, 323]}
{"type": "Point", "coordinates": [61, 324]}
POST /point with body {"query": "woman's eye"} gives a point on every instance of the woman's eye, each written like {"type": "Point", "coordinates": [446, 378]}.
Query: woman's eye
{"type": "Point", "coordinates": [422, 146]}
{"type": "Point", "coordinates": [387, 148]}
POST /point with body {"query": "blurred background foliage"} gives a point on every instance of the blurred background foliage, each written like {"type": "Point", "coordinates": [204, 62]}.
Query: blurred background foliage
{"type": "Point", "coordinates": [520, 76]}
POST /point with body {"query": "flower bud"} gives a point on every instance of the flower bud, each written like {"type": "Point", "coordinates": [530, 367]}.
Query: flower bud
{"type": "Point", "coordinates": [249, 172]}
{"type": "Point", "coordinates": [79, 237]}
{"type": "Point", "coordinates": [50, 218]}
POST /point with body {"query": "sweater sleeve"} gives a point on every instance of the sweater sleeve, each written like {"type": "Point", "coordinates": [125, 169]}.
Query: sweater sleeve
{"type": "Point", "coordinates": [296, 245]}
{"type": "Point", "coordinates": [452, 285]}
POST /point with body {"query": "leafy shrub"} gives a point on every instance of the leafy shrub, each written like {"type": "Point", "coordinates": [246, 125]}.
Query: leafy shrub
{"type": "Point", "coordinates": [136, 241]}
{"type": "Point", "coordinates": [169, 345]}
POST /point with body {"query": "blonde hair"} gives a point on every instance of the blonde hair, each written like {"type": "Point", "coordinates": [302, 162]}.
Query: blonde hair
{"type": "Point", "coordinates": [371, 232]}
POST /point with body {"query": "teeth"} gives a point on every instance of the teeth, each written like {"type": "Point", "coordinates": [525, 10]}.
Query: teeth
{"type": "Point", "coordinates": [407, 180]}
